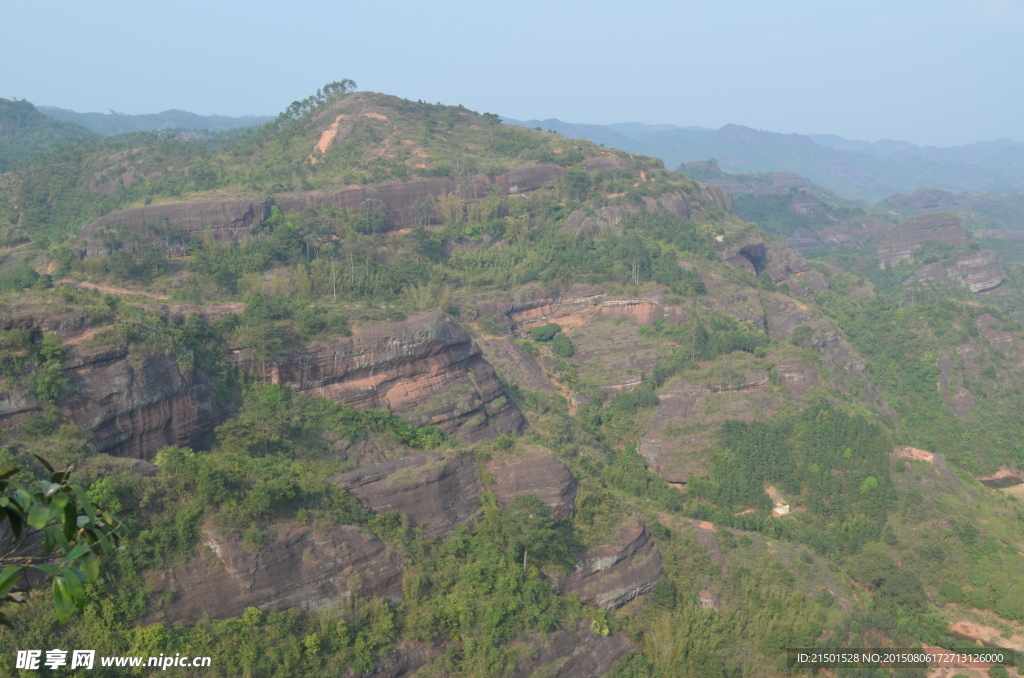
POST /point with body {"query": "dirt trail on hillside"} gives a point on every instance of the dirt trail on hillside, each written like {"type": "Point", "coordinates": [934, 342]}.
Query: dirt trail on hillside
{"type": "Point", "coordinates": [109, 290]}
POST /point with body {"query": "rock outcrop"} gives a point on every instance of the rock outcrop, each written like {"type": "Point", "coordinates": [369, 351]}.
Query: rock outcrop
{"type": "Point", "coordinates": [576, 654]}
{"type": "Point", "coordinates": [426, 369]}
{"type": "Point", "coordinates": [538, 473]}
{"type": "Point", "coordinates": [610, 576]}
{"type": "Point", "coordinates": [298, 569]}
{"type": "Point", "coordinates": [687, 206]}
{"type": "Point", "coordinates": [907, 236]}
{"type": "Point", "coordinates": [231, 221]}
{"type": "Point", "coordinates": [129, 408]}
{"type": "Point", "coordinates": [979, 271]}
{"type": "Point", "coordinates": [433, 491]}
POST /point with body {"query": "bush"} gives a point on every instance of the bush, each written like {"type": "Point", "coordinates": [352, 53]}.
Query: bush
{"type": "Point", "coordinates": [952, 593]}
{"type": "Point", "coordinates": [545, 333]}
{"type": "Point", "coordinates": [562, 346]}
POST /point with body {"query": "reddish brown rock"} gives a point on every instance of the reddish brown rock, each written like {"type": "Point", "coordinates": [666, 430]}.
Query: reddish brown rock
{"type": "Point", "coordinates": [298, 569]}
{"type": "Point", "coordinates": [576, 654]}
{"type": "Point", "coordinates": [537, 473]}
{"type": "Point", "coordinates": [610, 576]}
{"type": "Point", "coordinates": [426, 369]}
{"type": "Point", "coordinates": [435, 492]}
{"type": "Point", "coordinates": [132, 410]}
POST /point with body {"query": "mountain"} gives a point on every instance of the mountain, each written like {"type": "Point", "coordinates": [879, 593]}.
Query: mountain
{"type": "Point", "coordinates": [856, 170]}
{"type": "Point", "coordinates": [24, 131]}
{"type": "Point", "coordinates": [385, 387]}
{"type": "Point", "coordinates": [117, 123]}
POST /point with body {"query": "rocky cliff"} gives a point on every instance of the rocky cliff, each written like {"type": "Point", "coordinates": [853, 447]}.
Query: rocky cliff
{"type": "Point", "coordinates": [907, 236]}
{"type": "Point", "coordinates": [685, 205]}
{"type": "Point", "coordinates": [130, 408]}
{"type": "Point", "coordinates": [298, 569]}
{"type": "Point", "coordinates": [426, 369]}
{"type": "Point", "coordinates": [172, 225]}
{"type": "Point", "coordinates": [539, 473]}
{"type": "Point", "coordinates": [433, 491]}
{"type": "Point", "coordinates": [234, 220]}
{"type": "Point", "coordinates": [611, 575]}
{"type": "Point", "coordinates": [576, 654]}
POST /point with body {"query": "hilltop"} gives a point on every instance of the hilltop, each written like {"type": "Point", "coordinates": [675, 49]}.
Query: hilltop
{"type": "Point", "coordinates": [25, 131]}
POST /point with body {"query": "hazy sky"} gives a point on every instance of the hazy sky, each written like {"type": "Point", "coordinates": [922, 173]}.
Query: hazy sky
{"type": "Point", "coordinates": [937, 72]}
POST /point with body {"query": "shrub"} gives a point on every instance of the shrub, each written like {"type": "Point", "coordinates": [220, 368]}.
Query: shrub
{"type": "Point", "coordinates": [546, 332]}
{"type": "Point", "coordinates": [562, 346]}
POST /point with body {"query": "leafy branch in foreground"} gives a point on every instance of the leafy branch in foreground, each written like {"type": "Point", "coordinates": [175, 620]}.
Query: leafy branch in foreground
{"type": "Point", "coordinates": [51, 529]}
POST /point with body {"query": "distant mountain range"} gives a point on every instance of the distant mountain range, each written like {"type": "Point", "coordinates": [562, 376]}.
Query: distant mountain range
{"type": "Point", "coordinates": [856, 170]}
{"type": "Point", "coordinates": [115, 123]}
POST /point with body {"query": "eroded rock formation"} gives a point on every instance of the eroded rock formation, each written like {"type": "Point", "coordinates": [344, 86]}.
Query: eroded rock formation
{"type": "Point", "coordinates": [298, 569]}
{"type": "Point", "coordinates": [611, 575]}
{"type": "Point", "coordinates": [130, 408]}
{"type": "Point", "coordinates": [576, 654]}
{"type": "Point", "coordinates": [432, 490]}
{"type": "Point", "coordinates": [907, 236]}
{"type": "Point", "coordinates": [426, 369]}
{"type": "Point", "coordinates": [173, 224]}
{"type": "Point", "coordinates": [539, 473]}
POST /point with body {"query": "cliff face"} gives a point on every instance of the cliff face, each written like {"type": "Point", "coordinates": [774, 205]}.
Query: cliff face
{"type": "Point", "coordinates": [172, 225]}
{"type": "Point", "coordinates": [678, 203]}
{"type": "Point", "coordinates": [565, 654]}
{"type": "Point", "coordinates": [432, 491]}
{"type": "Point", "coordinates": [610, 576]}
{"type": "Point", "coordinates": [426, 369]}
{"type": "Point", "coordinates": [232, 221]}
{"type": "Point", "coordinates": [907, 236]}
{"type": "Point", "coordinates": [130, 409]}
{"type": "Point", "coordinates": [299, 569]}
{"type": "Point", "coordinates": [539, 473]}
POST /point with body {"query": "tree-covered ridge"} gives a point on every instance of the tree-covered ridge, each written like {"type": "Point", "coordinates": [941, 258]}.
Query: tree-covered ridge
{"type": "Point", "coordinates": [24, 132]}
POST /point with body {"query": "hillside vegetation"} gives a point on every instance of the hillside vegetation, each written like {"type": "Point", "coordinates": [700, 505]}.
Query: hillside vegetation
{"type": "Point", "coordinates": [387, 387]}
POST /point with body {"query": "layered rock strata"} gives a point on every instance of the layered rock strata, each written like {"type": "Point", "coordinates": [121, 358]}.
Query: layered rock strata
{"type": "Point", "coordinates": [433, 491]}
{"type": "Point", "coordinates": [129, 408]}
{"type": "Point", "coordinates": [298, 569]}
{"type": "Point", "coordinates": [426, 369]}
{"type": "Point", "coordinates": [609, 576]}
{"type": "Point", "coordinates": [537, 473]}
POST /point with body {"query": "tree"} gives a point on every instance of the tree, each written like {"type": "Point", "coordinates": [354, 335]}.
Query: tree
{"type": "Point", "coordinates": [52, 528]}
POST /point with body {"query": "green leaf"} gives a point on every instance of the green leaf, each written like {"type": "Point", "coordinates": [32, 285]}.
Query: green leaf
{"type": "Point", "coordinates": [70, 521]}
{"type": "Point", "coordinates": [85, 503]}
{"type": "Point", "coordinates": [16, 522]}
{"type": "Point", "coordinates": [42, 461]}
{"type": "Point", "coordinates": [7, 471]}
{"type": "Point", "coordinates": [76, 553]}
{"type": "Point", "coordinates": [38, 516]}
{"type": "Point", "coordinates": [76, 590]}
{"type": "Point", "coordinates": [9, 577]}
{"type": "Point", "coordinates": [61, 599]}
{"type": "Point", "coordinates": [90, 565]}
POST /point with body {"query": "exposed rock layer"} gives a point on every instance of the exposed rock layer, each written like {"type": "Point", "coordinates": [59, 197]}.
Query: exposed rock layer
{"type": "Point", "coordinates": [426, 369]}
{"type": "Point", "coordinates": [435, 492]}
{"type": "Point", "coordinates": [300, 569]}
{"type": "Point", "coordinates": [541, 474]}
{"type": "Point", "coordinates": [610, 576]}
